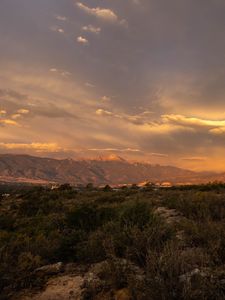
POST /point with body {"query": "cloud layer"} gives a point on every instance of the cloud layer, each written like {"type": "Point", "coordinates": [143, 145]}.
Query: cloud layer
{"type": "Point", "coordinates": [144, 79]}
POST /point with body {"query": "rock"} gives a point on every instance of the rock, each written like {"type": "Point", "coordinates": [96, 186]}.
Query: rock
{"type": "Point", "coordinates": [94, 278]}
{"type": "Point", "coordinates": [123, 294]}
{"type": "Point", "coordinates": [50, 269]}
{"type": "Point", "coordinates": [93, 283]}
{"type": "Point", "coordinates": [171, 216]}
{"type": "Point", "coordinates": [75, 269]}
{"type": "Point", "coordinates": [102, 276]}
{"type": "Point", "coordinates": [98, 268]}
{"type": "Point", "coordinates": [60, 288]}
{"type": "Point", "coordinates": [222, 282]}
{"type": "Point", "coordinates": [188, 276]}
{"type": "Point", "coordinates": [128, 268]}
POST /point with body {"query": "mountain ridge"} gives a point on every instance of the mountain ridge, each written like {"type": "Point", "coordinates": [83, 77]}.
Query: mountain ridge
{"type": "Point", "coordinates": [111, 170]}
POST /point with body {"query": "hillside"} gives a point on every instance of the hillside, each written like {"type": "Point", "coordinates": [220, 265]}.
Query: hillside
{"type": "Point", "coordinates": [111, 170]}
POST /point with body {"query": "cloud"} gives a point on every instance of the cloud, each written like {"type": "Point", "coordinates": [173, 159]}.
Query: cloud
{"type": "Point", "coordinates": [132, 150]}
{"type": "Point", "coordinates": [23, 111]}
{"type": "Point", "coordinates": [57, 29]}
{"type": "Point", "coordinates": [105, 14]}
{"type": "Point", "coordinates": [60, 30]}
{"type": "Point", "coordinates": [192, 121]}
{"type": "Point", "coordinates": [82, 40]}
{"type": "Point", "coordinates": [139, 119]}
{"type": "Point", "coordinates": [114, 150]}
{"type": "Point", "coordinates": [159, 154]}
{"type": "Point", "coordinates": [8, 122]}
{"type": "Point", "coordinates": [50, 110]}
{"type": "Point", "coordinates": [12, 94]}
{"type": "Point", "coordinates": [92, 29]}
{"type": "Point", "coordinates": [60, 72]}
{"type": "Point", "coordinates": [38, 147]}
{"type": "Point", "coordinates": [194, 158]}
{"type": "Point", "coordinates": [166, 69]}
{"type": "Point", "coordinates": [102, 112]}
{"type": "Point", "coordinates": [168, 123]}
{"type": "Point", "coordinates": [61, 18]}
{"type": "Point", "coordinates": [90, 85]}
{"type": "Point", "coordinates": [20, 113]}
{"type": "Point", "coordinates": [106, 98]}
{"type": "Point", "coordinates": [16, 116]}
{"type": "Point", "coordinates": [215, 127]}
{"type": "Point", "coordinates": [218, 131]}
{"type": "Point", "coordinates": [66, 73]}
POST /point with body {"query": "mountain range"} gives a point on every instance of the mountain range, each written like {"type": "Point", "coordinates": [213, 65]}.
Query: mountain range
{"type": "Point", "coordinates": [105, 170]}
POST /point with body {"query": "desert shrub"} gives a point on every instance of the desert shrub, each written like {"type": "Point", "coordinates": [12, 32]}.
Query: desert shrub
{"type": "Point", "coordinates": [165, 268]}
{"type": "Point", "coordinates": [153, 236]}
{"type": "Point", "coordinates": [199, 206]}
{"type": "Point", "coordinates": [70, 244]}
{"type": "Point", "coordinates": [46, 226]}
{"type": "Point", "coordinates": [135, 213]}
{"type": "Point", "coordinates": [92, 249]}
{"type": "Point", "coordinates": [89, 217]}
{"type": "Point", "coordinates": [125, 230]}
{"type": "Point", "coordinates": [29, 207]}
{"type": "Point", "coordinates": [6, 222]}
{"type": "Point", "coordinates": [110, 197]}
{"type": "Point", "coordinates": [28, 262]}
{"type": "Point", "coordinates": [208, 235]}
{"type": "Point", "coordinates": [132, 242]}
{"type": "Point", "coordinates": [42, 205]}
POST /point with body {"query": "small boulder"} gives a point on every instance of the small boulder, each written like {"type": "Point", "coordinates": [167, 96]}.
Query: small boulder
{"type": "Point", "coordinates": [50, 269]}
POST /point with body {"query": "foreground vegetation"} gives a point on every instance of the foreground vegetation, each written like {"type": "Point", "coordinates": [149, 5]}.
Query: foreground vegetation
{"type": "Point", "coordinates": [155, 243]}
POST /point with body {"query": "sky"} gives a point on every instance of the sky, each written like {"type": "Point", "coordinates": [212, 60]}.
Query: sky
{"type": "Point", "coordinates": [143, 79]}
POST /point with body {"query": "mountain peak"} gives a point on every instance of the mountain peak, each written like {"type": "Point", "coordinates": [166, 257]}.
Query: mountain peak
{"type": "Point", "coordinates": [111, 157]}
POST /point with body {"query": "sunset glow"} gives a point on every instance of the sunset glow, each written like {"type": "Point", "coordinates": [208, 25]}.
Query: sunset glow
{"type": "Point", "coordinates": [141, 79]}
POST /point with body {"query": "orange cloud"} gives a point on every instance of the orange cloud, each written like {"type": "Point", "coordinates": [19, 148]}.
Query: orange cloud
{"type": "Point", "coordinates": [38, 147]}
{"type": "Point", "coordinates": [82, 40]}
{"type": "Point", "coordinates": [102, 13]}
{"type": "Point", "coordinates": [192, 121]}
{"type": "Point", "coordinates": [23, 111]}
{"type": "Point", "coordinates": [9, 122]}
